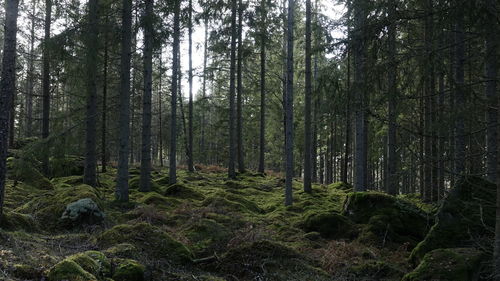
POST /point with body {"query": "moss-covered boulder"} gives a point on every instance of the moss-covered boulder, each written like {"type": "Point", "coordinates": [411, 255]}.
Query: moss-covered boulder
{"type": "Point", "coordinates": [26, 272]}
{"type": "Point", "coordinates": [69, 270]}
{"type": "Point", "coordinates": [463, 218]}
{"type": "Point", "coordinates": [93, 262]}
{"type": "Point", "coordinates": [84, 211]}
{"type": "Point", "coordinates": [135, 181]}
{"type": "Point", "coordinates": [453, 264]}
{"type": "Point", "coordinates": [16, 221]}
{"type": "Point", "coordinates": [207, 236]}
{"type": "Point", "coordinates": [330, 225]}
{"type": "Point", "coordinates": [123, 250]}
{"type": "Point", "coordinates": [386, 218]}
{"type": "Point", "coordinates": [23, 170]}
{"type": "Point", "coordinates": [181, 191]}
{"type": "Point", "coordinates": [149, 240]}
{"type": "Point", "coordinates": [129, 270]}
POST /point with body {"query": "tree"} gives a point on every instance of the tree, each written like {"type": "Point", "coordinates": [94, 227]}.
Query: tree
{"type": "Point", "coordinates": [239, 92]}
{"type": "Point", "coordinates": [360, 160]}
{"type": "Point", "coordinates": [145, 184]}
{"type": "Point", "coordinates": [121, 192]}
{"type": "Point", "coordinates": [307, 110]}
{"type": "Point", "coordinates": [104, 96]}
{"type": "Point", "coordinates": [31, 74]}
{"type": "Point", "coordinates": [190, 133]}
{"type": "Point", "coordinates": [7, 87]}
{"type": "Point", "coordinates": [289, 106]}
{"type": "Point", "coordinates": [392, 158]}
{"type": "Point", "coordinates": [46, 82]}
{"type": "Point", "coordinates": [262, 133]}
{"type": "Point", "coordinates": [90, 171]}
{"type": "Point", "coordinates": [459, 89]}
{"type": "Point", "coordinates": [232, 89]}
{"type": "Point", "coordinates": [173, 100]}
{"type": "Point", "coordinates": [491, 72]}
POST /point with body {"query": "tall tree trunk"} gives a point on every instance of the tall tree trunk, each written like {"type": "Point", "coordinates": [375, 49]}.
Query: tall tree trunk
{"type": "Point", "coordinates": [90, 171]}
{"type": "Point", "coordinates": [232, 89]}
{"type": "Point", "coordinates": [491, 74]}
{"type": "Point", "coordinates": [203, 150]}
{"type": "Point", "coordinates": [7, 87]}
{"type": "Point", "coordinates": [347, 143]}
{"type": "Point", "coordinates": [121, 192]}
{"type": "Point", "coordinates": [239, 97]}
{"type": "Point", "coordinates": [46, 84]}
{"type": "Point", "coordinates": [459, 91]}
{"type": "Point", "coordinates": [190, 133]}
{"type": "Point", "coordinates": [145, 184]}
{"type": "Point", "coordinates": [289, 106]}
{"type": "Point", "coordinates": [307, 109]}
{"type": "Point", "coordinates": [160, 113]}
{"type": "Point", "coordinates": [392, 158]}
{"type": "Point", "coordinates": [173, 100]}
{"type": "Point", "coordinates": [104, 96]}
{"type": "Point", "coordinates": [361, 163]}
{"type": "Point", "coordinates": [31, 74]}
{"type": "Point", "coordinates": [262, 138]}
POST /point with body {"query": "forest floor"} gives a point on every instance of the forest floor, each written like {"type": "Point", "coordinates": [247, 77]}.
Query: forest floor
{"type": "Point", "coordinates": [207, 228]}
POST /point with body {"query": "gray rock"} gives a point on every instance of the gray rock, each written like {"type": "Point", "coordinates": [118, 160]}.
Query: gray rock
{"type": "Point", "coordinates": [83, 211]}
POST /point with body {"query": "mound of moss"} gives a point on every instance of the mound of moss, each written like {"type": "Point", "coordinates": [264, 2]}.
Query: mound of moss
{"type": "Point", "coordinates": [386, 218]}
{"type": "Point", "coordinates": [343, 186]}
{"type": "Point", "coordinates": [375, 270]}
{"type": "Point", "coordinates": [454, 264]}
{"type": "Point", "coordinates": [26, 272]}
{"type": "Point", "coordinates": [463, 219]}
{"type": "Point", "coordinates": [93, 262]}
{"type": "Point", "coordinates": [123, 250]}
{"type": "Point", "coordinates": [148, 239]}
{"type": "Point", "coordinates": [129, 270]}
{"type": "Point", "coordinates": [207, 236]}
{"type": "Point", "coordinates": [16, 221]}
{"type": "Point", "coordinates": [135, 181]}
{"type": "Point", "coordinates": [181, 191]}
{"type": "Point", "coordinates": [330, 225]}
{"type": "Point", "coordinates": [24, 171]}
{"type": "Point", "coordinates": [69, 165]}
{"type": "Point", "coordinates": [69, 270]}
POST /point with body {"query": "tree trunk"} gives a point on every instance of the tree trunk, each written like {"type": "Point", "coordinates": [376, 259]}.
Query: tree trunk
{"type": "Point", "coordinates": [491, 72]}
{"type": "Point", "coordinates": [173, 100]}
{"type": "Point", "coordinates": [7, 87]}
{"type": "Point", "coordinates": [90, 171]}
{"type": "Point", "coordinates": [459, 92]}
{"type": "Point", "coordinates": [104, 97]}
{"type": "Point", "coordinates": [262, 139]}
{"type": "Point", "coordinates": [360, 183]}
{"type": "Point", "coordinates": [160, 119]}
{"type": "Point", "coordinates": [289, 106]}
{"type": "Point", "coordinates": [46, 84]}
{"type": "Point", "coordinates": [121, 193]}
{"type": "Point", "coordinates": [307, 109]}
{"type": "Point", "coordinates": [239, 98]}
{"type": "Point", "coordinates": [31, 75]}
{"type": "Point", "coordinates": [203, 150]}
{"type": "Point", "coordinates": [347, 143]}
{"type": "Point", "coordinates": [145, 184]}
{"type": "Point", "coordinates": [190, 133]}
{"type": "Point", "coordinates": [232, 111]}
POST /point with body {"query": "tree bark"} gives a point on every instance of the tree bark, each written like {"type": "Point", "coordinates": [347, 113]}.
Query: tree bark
{"type": "Point", "coordinates": [7, 87]}
{"type": "Point", "coordinates": [145, 182]}
{"type": "Point", "coordinates": [262, 137]}
{"type": "Point", "coordinates": [239, 95]}
{"type": "Point", "coordinates": [491, 72]}
{"type": "Point", "coordinates": [31, 74]}
{"type": "Point", "coordinates": [307, 109]}
{"type": "Point", "coordinates": [232, 90]}
{"type": "Point", "coordinates": [190, 133]}
{"type": "Point", "coordinates": [173, 100]}
{"type": "Point", "coordinates": [104, 97]}
{"type": "Point", "coordinates": [459, 92]}
{"type": "Point", "coordinates": [46, 84]}
{"type": "Point", "coordinates": [289, 106]}
{"type": "Point", "coordinates": [121, 192]}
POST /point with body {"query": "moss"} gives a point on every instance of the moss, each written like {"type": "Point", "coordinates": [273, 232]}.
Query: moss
{"type": "Point", "coordinates": [154, 198]}
{"type": "Point", "coordinates": [123, 250]}
{"type": "Point", "coordinates": [151, 240]}
{"type": "Point", "coordinates": [181, 191]}
{"type": "Point", "coordinates": [386, 218]}
{"type": "Point", "coordinates": [341, 186]}
{"type": "Point", "coordinates": [465, 215]}
{"type": "Point", "coordinates": [457, 264]}
{"type": "Point", "coordinates": [207, 236]}
{"type": "Point", "coordinates": [329, 225]}
{"type": "Point", "coordinates": [16, 221]}
{"type": "Point", "coordinates": [84, 211]}
{"type": "Point", "coordinates": [24, 171]}
{"type": "Point", "coordinates": [129, 270]}
{"type": "Point", "coordinates": [26, 272]}
{"type": "Point", "coordinates": [134, 182]}
{"type": "Point", "coordinates": [69, 165]}
{"type": "Point", "coordinates": [70, 180]}
{"type": "Point", "coordinates": [69, 270]}
{"type": "Point", "coordinates": [165, 180]}
{"type": "Point", "coordinates": [376, 270]}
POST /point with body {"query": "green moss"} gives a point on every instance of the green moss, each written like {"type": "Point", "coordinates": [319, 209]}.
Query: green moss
{"type": "Point", "coordinates": [69, 270]}
{"type": "Point", "coordinates": [135, 180]}
{"type": "Point", "coordinates": [376, 270]}
{"type": "Point", "coordinates": [151, 240]}
{"type": "Point", "coordinates": [25, 272]}
{"type": "Point", "coordinates": [154, 198]}
{"type": "Point", "coordinates": [341, 186]}
{"type": "Point", "coordinates": [183, 192]}
{"type": "Point", "coordinates": [329, 225]}
{"type": "Point", "coordinates": [386, 218]}
{"type": "Point", "coordinates": [24, 171]}
{"type": "Point", "coordinates": [458, 264]}
{"type": "Point", "coordinates": [129, 270]}
{"type": "Point", "coordinates": [123, 250]}
{"type": "Point", "coordinates": [69, 165]}
{"type": "Point", "coordinates": [16, 221]}
{"type": "Point", "coordinates": [468, 211]}
{"type": "Point", "coordinates": [207, 236]}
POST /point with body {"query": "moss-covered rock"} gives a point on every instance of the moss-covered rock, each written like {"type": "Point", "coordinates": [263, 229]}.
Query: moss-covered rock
{"type": "Point", "coordinates": [330, 225]}
{"type": "Point", "coordinates": [386, 218]}
{"type": "Point", "coordinates": [69, 270]}
{"type": "Point", "coordinates": [26, 272]}
{"type": "Point", "coordinates": [464, 216]}
{"type": "Point", "coordinates": [148, 239]}
{"type": "Point", "coordinates": [23, 170]}
{"type": "Point", "coordinates": [129, 270]}
{"type": "Point", "coordinates": [454, 264]}
{"type": "Point", "coordinates": [16, 221]}
{"type": "Point", "coordinates": [84, 211]}
{"type": "Point", "coordinates": [181, 191]}
{"type": "Point", "coordinates": [123, 250]}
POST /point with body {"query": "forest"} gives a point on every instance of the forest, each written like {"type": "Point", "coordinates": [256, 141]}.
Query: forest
{"type": "Point", "coordinates": [249, 140]}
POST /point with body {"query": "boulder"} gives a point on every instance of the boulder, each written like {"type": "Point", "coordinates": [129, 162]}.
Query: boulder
{"type": "Point", "coordinates": [83, 211]}
{"type": "Point", "coordinates": [330, 225]}
{"type": "Point", "coordinates": [129, 270]}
